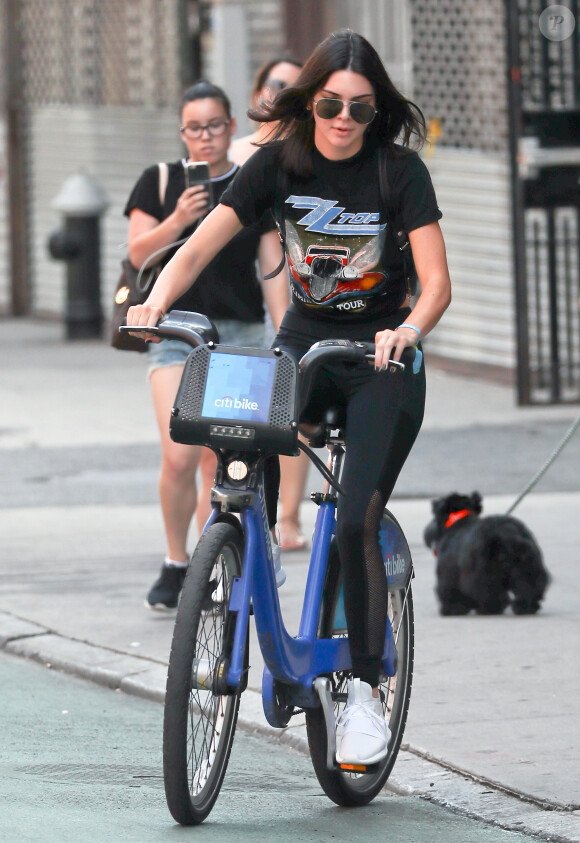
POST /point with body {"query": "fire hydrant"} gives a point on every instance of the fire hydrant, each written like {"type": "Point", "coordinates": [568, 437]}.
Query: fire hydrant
{"type": "Point", "coordinates": [82, 203]}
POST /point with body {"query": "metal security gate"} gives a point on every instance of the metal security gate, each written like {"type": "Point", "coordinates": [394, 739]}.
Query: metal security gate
{"type": "Point", "coordinates": [92, 86]}
{"type": "Point", "coordinates": [544, 81]}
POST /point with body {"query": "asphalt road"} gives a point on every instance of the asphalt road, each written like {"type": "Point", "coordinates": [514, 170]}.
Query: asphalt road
{"type": "Point", "coordinates": [82, 763]}
{"type": "Point", "coordinates": [82, 540]}
{"type": "Point", "coordinates": [498, 459]}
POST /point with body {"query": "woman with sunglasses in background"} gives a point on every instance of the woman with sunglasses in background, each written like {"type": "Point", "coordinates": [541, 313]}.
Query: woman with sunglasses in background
{"type": "Point", "coordinates": [341, 117]}
{"type": "Point", "coordinates": [228, 291]}
{"type": "Point", "coordinates": [271, 78]}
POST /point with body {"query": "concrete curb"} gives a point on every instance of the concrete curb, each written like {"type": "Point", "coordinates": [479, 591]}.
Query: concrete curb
{"type": "Point", "coordinates": [418, 773]}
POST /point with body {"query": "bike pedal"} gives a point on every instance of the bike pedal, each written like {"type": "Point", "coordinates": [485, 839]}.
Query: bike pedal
{"type": "Point", "coordinates": [359, 768]}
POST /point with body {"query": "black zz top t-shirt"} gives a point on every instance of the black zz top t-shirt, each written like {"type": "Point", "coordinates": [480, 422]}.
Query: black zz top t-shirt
{"type": "Point", "coordinates": [342, 258]}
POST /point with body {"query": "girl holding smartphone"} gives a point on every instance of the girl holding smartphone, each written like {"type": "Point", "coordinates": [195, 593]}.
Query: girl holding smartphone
{"type": "Point", "coordinates": [228, 291]}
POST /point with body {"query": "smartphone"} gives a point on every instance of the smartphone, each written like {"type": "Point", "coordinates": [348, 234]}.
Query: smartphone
{"type": "Point", "coordinates": [197, 172]}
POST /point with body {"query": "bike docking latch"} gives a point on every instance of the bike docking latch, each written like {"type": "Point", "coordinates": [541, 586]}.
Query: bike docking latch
{"type": "Point", "coordinates": [232, 500]}
{"type": "Point", "coordinates": [323, 688]}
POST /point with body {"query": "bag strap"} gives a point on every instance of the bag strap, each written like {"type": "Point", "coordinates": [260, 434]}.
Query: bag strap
{"type": "Point", "coordinates": [149, 281]}
{"type": "Point", "coordinates": [163, 179]}
{"type": "Point", "coordinates": [401, 238]}
{"type": "Point", "coordinates": [279, 200]}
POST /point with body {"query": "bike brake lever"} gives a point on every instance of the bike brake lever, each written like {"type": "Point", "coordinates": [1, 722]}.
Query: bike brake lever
{"type": "Point", "coordinates": [138, 329]}
{"type": "Point", "coordinates": [393, 366]}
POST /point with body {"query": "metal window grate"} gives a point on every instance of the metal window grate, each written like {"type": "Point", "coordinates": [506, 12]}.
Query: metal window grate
{"type": "Point", "coordinates": [553, 292]}
{"type": "Point", "coordinates": [550, 69]}
{"type": "Point", "coordinates": [100, 52]}
{"type": "Point", "coordinates": [459, 70]}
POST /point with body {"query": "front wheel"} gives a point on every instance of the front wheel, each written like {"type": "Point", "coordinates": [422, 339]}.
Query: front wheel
{"type": "Point", "coordinates": [346, 788]}
{"type": "Point", "coordinates": [199, 725]}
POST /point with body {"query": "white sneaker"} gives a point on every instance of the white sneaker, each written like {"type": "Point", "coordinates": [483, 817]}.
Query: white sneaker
{"type": "Point", "coordinates": [365, 735]}
{"type": "Point", "coordinates": [278, 569]}
{"type": "Point", "coordinates": [219, 593]}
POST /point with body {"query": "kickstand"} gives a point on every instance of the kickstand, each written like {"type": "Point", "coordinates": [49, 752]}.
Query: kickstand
{"type": "Point", "coordinates": [323, 688]}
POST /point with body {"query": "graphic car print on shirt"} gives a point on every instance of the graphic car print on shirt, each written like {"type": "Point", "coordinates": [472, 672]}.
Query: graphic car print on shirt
{"type": "Point", "coordinates": [325, 269]}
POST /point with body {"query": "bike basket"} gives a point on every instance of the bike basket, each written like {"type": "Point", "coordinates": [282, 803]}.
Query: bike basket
{"type": "Point", "coordinates": [243, 399]}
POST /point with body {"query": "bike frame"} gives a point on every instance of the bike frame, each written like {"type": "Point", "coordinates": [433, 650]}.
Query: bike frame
{"type": "Point", "coordinates": [297, 669]}
{"type": "Point", "coordinates": [293, 661]}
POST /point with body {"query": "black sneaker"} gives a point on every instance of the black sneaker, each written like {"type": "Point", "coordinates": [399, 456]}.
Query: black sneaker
{"type": "Point", "coordinates": [165, 591]}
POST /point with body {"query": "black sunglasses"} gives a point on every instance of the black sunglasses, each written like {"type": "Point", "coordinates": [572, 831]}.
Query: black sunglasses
{"type": "Point", "coordinates": [275, 84]}
{"type": "Point", "coordinates": [361, 112]}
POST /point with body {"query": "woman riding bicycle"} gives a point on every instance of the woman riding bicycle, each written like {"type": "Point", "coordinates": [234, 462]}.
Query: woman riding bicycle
{"type": "Point", "coordinates": [319, 172]}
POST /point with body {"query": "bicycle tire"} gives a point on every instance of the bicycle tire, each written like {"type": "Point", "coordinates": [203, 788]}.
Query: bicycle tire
{"type": "Point", "coordinates": [350, 789]}
{"type": "Point", "coordinates": [198, 725]}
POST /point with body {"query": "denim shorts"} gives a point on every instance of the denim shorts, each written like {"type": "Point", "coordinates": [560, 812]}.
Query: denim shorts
{"type": "Point", "coordinates": [231, 332]}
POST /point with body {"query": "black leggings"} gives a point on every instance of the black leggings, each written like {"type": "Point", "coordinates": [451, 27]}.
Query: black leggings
{"type": "Point", "coordinates": [384, 412]}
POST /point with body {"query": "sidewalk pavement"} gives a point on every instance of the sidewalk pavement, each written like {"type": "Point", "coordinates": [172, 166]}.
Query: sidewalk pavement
{"type": "Point", "coordinates": [493, 724]}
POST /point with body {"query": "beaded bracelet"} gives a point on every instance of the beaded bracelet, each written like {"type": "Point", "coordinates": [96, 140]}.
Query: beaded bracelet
{"type": "Point", "coordinates": [414, 327]}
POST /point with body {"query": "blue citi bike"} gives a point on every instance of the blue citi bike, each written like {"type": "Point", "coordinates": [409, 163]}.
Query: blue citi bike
{"type": "Point", "coordinates": [243, 403]}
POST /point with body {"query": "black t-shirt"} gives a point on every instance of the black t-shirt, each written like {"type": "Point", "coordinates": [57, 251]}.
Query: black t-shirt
{"type": "Point", "coordinates": [229, 287]}
{"type": "Point", "coordinates": [343, 261]}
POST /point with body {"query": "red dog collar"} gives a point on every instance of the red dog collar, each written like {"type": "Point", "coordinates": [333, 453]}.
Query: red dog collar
{"type": "Point", "coordinates": [457, 516]}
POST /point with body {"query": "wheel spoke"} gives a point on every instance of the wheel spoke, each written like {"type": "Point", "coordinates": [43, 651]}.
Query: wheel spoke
{"type": "Point", "coordinates": [198, 745]}
{"type": "Point", "coordinates": [206, 717]}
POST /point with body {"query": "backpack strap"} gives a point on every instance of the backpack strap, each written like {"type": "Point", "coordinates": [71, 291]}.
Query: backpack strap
{"type": "Point", "coordinates": [163, 179]}
{"type": "Point", "coordinates": [152, 276]}
{"type": "Point", "coordinates": [400, 236]}
{"type": "Point", "coordinates": [279, 199]}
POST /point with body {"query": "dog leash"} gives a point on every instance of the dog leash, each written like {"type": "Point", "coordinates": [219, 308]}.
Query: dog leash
{"type": "Point", "coordinates": [564, 441]}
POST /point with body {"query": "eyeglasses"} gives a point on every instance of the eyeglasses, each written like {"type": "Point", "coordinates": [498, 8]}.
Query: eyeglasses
{"type": "Point", "coordinates": [275, 84]}
{"type": "Point", "coordinates": [361, 112]}
{"type": "Point", "coordinates": [193, 131]}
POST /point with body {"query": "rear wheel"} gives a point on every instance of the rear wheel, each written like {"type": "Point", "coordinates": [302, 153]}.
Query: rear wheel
{"type": "Point", "coordinates": [347, 788]}
{"type": "Point", "coordinates": [199, 725]}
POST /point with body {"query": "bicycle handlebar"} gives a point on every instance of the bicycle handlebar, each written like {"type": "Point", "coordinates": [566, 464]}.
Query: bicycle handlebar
{"type": "Point", "coordinates": [345, 350]}
{"type": "Point", "coordinates": [196, 329]}
{"type": "Point", "coordinates": [193, 328]}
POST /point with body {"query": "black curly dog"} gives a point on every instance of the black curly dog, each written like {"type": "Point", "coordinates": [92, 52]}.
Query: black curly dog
{"type": "Point", "coordinates": [483, 564]}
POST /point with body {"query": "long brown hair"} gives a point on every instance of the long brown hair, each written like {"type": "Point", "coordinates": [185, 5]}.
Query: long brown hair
{"type": "Point", "coordinates": [344, 50]}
